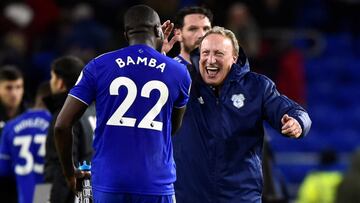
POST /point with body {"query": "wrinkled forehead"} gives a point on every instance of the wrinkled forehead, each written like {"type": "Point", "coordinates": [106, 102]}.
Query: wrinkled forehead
{"type": "Point", "coordinates": [216, 41]}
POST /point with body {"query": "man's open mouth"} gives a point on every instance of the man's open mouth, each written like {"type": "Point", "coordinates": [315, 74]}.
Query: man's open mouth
{"type": "Point", "coordinates": [212, 70]}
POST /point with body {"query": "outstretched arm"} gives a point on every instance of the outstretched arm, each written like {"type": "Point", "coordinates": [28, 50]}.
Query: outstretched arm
{"type": "Point", "coordinates": [282, 113]}
{"type": "Point", "coordinates": [69, 114]}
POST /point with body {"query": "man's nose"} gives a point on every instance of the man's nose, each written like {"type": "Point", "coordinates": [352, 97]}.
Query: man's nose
{"type": "Point", "coordinates": [211, 59]}
{"type": "Point", "coordinates": [14, 91]}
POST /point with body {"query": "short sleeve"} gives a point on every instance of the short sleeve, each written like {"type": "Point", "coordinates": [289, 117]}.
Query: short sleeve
{"type": "Point", "coordinates": [85, 87]}
{"type": "Point", "coordinates": [5, 152]}
{"type": "Point", "coordinates": [185, 85]}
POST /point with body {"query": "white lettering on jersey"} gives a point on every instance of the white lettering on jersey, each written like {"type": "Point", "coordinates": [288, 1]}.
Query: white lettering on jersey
{"type": "Point", "coordinates": [150, 63]}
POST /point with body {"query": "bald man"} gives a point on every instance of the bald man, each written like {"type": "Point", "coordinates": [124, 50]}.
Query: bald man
{"type": "Point", "coordinates": [140, 99]}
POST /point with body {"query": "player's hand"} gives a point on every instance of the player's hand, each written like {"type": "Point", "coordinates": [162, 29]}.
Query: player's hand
{"type": "Point", "coordinates": [71, 181]}
{"type": "Point", "coordinates": [167, 28]}
{"type": "Point", "coordinates": [75, 181]}
{"type": "Point", "coordinates": [290, 126]}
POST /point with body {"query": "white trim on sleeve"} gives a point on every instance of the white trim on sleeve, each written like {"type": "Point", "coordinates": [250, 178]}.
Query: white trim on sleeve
{"type": "Point", "coordinates": [79, 99]}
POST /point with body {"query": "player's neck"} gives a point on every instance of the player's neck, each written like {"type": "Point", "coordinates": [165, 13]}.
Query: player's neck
{"type": "Point", "coordinates": [140, 40]}
{"type": "Point", "coordinates": [185, 55]}
{"type": "Point", "coordinates": [12, 111]}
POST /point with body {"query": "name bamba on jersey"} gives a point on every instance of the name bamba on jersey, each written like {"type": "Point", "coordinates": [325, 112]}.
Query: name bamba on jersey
{"type": "Point", "coordinates": [151, 62]}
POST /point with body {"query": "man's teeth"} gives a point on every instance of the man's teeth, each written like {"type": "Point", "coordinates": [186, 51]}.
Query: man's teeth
{"type": "Point", "coordinates": [212, 68]}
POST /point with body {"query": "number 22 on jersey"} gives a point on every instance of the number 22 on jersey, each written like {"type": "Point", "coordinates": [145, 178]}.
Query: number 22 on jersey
{"type": "Point", "coordinates": [118, 118]}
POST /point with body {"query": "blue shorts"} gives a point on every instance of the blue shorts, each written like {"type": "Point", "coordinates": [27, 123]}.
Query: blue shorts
{"type": "Point", "coordinates": [107, 197]}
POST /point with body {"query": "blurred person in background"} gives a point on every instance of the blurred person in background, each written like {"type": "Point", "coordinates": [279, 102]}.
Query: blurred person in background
{"type": "Point", "coordinates": [11, 105]}
{"type": "Point", "coordinates": [191, 24]}
{"type": "Point", "coordinates": [320, 185]}
{"type": "Point", "coordinates": [83, 35]}
{"type": "Point", "coordinates": [219, 148]}
{"type": "Point", "coordinates": [22, 146]}
{"type": "Point", "coordinates": [348, 190]}
{"type": "Point", "coordinates": [242, 23]}
{"type": "Point", "coordinates": [64, 74]}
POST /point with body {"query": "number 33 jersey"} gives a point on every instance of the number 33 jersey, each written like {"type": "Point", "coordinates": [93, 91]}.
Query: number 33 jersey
{"type": "Point", "coordinates": [135, 90]}
{"type": "Point", "coordinates": [22, 151]}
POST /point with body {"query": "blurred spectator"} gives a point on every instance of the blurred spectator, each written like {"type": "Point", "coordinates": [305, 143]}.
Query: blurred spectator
{"type": "Point", "coordinates": [11, 94]}
{"type": "Point", "coordinates": [11, 105]}
{"type": "Point", "coordinates": [83, 36]}
{"type": "Point", "coordinates": [64, 73]}
{"type": "Point", "coordinates": [349, 188]}
{"type": "Point", "coordinates": [275, 188]}
{"type": "Point", "coordinates": [274, 13]}
{"type": "Point", "coordinates": [285, 65]}
{"type": "Point", "coordinates": [320, 186]}
{"type": "Point", "coordinates": [14, 49]}
{"type": "Point", "coordinates": [22, 147]}
{"type": "Point", "coordinates": [242, 23]}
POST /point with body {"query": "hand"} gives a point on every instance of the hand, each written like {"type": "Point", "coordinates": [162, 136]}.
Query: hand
{"type": "Point", "coordinates": [167, 28]}
{"type": "Point", "coordinates": [74, 181]}
{"type": "Point", "coordinates": [290, 126]}
{"type": "Point", "coordinates": [71, 181]}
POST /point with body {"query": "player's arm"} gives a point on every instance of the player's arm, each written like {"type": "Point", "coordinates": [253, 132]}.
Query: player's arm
{"type": "Point", "coordinates": [69, 114]}
{"type": "Point", "coordinates": [176, 118]}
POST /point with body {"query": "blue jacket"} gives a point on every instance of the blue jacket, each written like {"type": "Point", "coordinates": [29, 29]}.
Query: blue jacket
{"type": "Point", "coordinates": [219, 146]}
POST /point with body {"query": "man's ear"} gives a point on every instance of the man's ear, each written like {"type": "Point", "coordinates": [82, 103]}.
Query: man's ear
{"type": "Point", "coordinates": [158, 32]}
{"type": "Point", "coordinates": [61, 84]}
{"type": "Point", "coordinates": [126, 36]}
{"type": "Point", "coordinates": [235, 59]}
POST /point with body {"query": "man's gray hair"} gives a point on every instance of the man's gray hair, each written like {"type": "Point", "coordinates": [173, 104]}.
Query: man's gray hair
{"type": "Point", "coordinates": [226, 33]}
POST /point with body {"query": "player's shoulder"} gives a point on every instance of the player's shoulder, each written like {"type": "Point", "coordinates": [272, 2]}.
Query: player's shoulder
{"type": "Point", "coordinates": [108, 54]}
{"type": "Point", "coordinates": [42, 113]}
{"type": "Point", "coordinates": [174, 63]}
{"type": "Point", "coordinates": [10, 124]}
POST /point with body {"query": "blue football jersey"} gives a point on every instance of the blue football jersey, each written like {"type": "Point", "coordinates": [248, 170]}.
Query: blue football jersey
{"type": "Point", "coordinates": [180, 59]}
{"type": "Point", "coordinates": [22, 151]}
{"type": "Point", "coordinates": [135, 90]}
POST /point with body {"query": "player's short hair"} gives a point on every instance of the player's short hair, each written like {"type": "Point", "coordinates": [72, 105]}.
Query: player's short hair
{"type": "Point", "coordinates": [226, 33]}
{"type": "Point", "coordinates": [140, 18]}
{"type": "Point", "coordinates": [10, 73]}
{"type": "Point", "coordinates": [179, 18]}
{"type": "Point", "coordinates": [68, 68]}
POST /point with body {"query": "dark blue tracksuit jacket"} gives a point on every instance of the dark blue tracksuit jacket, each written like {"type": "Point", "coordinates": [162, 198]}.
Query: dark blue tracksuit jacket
{"type": "Point", "coordinates": [218, 148]}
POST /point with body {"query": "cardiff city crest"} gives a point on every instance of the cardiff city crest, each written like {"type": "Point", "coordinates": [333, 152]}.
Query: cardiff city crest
{"type": "Point", "coordinates": [238, 100]}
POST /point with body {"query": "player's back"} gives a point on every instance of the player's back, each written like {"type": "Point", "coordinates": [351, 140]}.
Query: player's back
{"type": "Point", "coordinates": [24, 142]}
{"type": "Point", "coordinates": [136, 89]}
